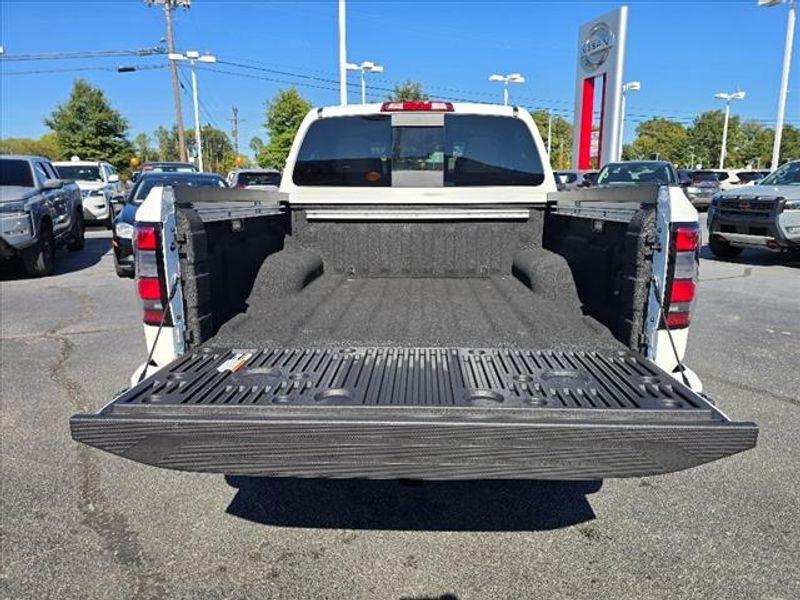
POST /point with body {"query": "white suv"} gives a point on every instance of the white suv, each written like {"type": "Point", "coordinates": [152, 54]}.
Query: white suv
{"type": "Point", "coordinates": [100, 187]}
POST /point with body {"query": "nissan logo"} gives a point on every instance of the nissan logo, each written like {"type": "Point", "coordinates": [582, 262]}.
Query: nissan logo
{"type": "Point", "coordinates": [744, 205]}
{"type": "Point", "coordinates": [596, 47]}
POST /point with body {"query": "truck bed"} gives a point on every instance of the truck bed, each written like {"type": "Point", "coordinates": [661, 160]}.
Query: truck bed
{"type": "Point", "coordinates": [335, 310]}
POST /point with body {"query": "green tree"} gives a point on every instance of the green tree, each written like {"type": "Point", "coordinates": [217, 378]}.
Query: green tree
{"type": "Point", "coordinates": [46, 146]}
{"type": "Point", "coordinates": [142, 148]}
{"type": "Point", "coordinates": [561, 147]}
{"type": "Point", "coordinates": [756, 149]}
{"type": "Point", "coordinates": [218, 154]}
{"type": "Point", "coordinates": [790, 143]}
{"type": "Point", "coordinates": [662, 138]}
{"type": "Point", "coordinates": [705, 136]}
{"type": "Point", "coordinates": [408, 91]}
{"type": "Point", "coordinates": [87, 126]}
{"type": "Point", "coordinates": [285, 112]}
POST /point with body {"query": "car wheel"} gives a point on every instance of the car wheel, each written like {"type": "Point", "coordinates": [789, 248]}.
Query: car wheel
{"type": "Point", "coordinates": [722, 249]}
{"type": "Point", "coordinates": [110, 219]}
{"type": "Point", "coordinates": [40, 259]}
{"type": "Point", "coordinates": [122, 271]}
{"type": "Point", "coordinates": [78, 233]}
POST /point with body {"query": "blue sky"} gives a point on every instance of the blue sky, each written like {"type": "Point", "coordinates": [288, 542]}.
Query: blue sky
{"type": "Point", "coordinates": [682, 52]}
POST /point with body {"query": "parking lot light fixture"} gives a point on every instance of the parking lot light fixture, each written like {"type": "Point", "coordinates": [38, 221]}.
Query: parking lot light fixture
{"type": "Point", "coordinates": [365, 67]}
{"type": "Point", "coordinates": [727, 97]}
{"type": "Point", "coordinates": [192, 56]}
{"type": "Point", "coordinates": [505, 80]}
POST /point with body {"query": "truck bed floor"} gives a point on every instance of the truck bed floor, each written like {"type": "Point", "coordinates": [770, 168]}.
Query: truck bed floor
{"type": "Point", "coordinates": [334, 310]}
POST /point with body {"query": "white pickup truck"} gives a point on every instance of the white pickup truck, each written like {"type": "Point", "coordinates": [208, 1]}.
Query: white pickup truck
{"type": "Point", "coordinates": [417, 302]}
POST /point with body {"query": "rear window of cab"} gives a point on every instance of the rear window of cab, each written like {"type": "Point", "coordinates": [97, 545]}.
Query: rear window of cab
{"type": "Point", "coordinates": [468, 150]}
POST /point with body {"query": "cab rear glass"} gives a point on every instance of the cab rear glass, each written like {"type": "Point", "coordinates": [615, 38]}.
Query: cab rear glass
{"type": "Point", "coordinates": [468, 150]}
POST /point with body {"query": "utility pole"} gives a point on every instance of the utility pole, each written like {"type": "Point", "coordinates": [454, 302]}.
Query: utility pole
{"type": "Point", "coordinates": [549, 135]}
{"type": "Point", "coordinates": [235, 128]}
{"type": "Point", "coordinates": [169, 6]}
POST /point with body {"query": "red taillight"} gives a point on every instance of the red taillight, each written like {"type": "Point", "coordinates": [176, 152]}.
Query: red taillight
{"type": "Point", "coordinates": [678, 320]}
{"type": "Point", "coordinates": [153, 317]}
{"type": "Point", "coordinates": [149, 288]}
{"type": "Point", "coordinates": [682, 279]}
{"type": "Point", "coordinates": [146, 237]}
{"type": "Point", "coordinates": [687, 239]}
{"type": "Point", "coordinates": [417, 106]}
{"type": "Point", "coordinates": [150, 275]}
{"type": "Point", "coordinates": [682, 290]}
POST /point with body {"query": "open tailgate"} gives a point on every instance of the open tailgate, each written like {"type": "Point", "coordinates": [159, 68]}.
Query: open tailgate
{"type": "Point", "coordinates": [431, 413]}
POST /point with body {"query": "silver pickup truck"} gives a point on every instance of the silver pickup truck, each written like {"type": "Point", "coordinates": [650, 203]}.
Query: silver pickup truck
{"type": "Point", "coordinates": [38, 211]}
{"type": "Point", "coordinates": [765, 215]}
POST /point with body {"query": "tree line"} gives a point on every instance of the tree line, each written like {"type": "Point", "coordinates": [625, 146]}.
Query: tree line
{"type": "Point", "coordinates": [86, 125]}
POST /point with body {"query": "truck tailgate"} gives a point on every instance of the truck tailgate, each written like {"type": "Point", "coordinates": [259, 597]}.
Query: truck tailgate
{"type": "Point", "coordinates": [431, 413]}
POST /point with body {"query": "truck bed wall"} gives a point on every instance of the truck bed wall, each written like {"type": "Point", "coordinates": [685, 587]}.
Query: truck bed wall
{"type": "Point", "coordinates": [610, 264]}
{"type": "Point", "coordinates": [465, 248]}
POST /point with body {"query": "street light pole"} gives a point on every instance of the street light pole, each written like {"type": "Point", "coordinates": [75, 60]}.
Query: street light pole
{"type": "Point", "coordinates": [505, 80]}
{"type": "Point", "coordinates": [192, 56]}
{"type": "Point", "coordinates": [633, 86]}
{"type": "Point", "coordinates": [787, 63]}
{"type": "Point", "coordinates": [727, 97]}
{"type": "Point", "coordinates": [342, 54]}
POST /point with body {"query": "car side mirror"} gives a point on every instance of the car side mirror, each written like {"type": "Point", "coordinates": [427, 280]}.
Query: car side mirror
{"type": "Point", "coordinates": [53, 184]}
{"type": "Point", "coordinates": [113, 178]}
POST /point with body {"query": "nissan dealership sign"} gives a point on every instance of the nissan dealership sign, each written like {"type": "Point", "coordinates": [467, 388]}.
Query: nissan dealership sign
{"type": "Point", "coordinates": [596, 47]}
{"type": "Point", "coordinates": [601, 60]}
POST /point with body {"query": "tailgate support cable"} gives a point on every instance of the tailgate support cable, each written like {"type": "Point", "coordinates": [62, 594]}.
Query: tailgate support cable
{"type": "Point", "coordinates": [160, 327]}
{"type": "Point", "coordinates": [662, 318]}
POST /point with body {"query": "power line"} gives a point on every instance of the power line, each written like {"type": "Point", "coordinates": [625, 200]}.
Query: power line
{"type": "Point", "coordinates": [119, 69]}
{"type": "Point", "coordinates": [83, 54]}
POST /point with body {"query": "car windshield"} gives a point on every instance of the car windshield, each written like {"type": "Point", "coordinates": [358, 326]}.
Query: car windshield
{"type": "Point", "coordinates": [15, 172]}
{"type": "Point", "coordinates": [469, 150]}
{"type": "Point", "coordinates": [79, 172]}
{"type": "Point", "coordinates": [248, 179]}
{"type": "Point", "coordinates": [634, 174]}
{"type": "Point", "coordinates": [148, 183]}
{"type": "Point", "coordinates": [788, 174]}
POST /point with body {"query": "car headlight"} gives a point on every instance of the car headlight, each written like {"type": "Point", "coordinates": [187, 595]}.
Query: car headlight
{"type": "Point", "coordinates": [13, 207]}
{"type": "Point", "coordinates": [124, 230]}
{"type": "Point", "coordinates": [792, 205]}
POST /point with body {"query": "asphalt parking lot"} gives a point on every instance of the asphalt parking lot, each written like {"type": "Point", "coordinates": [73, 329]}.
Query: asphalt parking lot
{"type": "Point", "coordinates": [80, 523]}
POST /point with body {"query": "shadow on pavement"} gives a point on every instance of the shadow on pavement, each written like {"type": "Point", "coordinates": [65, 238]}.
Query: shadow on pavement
{"type": "Point", "coordinates": [756, 257]}
{"type": "Point", "coordinates": [66, 262]}
{"type": "Point", "coordinates": [481, 505]}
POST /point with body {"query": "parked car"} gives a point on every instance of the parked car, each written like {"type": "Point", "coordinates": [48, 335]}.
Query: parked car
{"type": "Point", "coordinates": [637, 172]}
{"type": "Point", "coordinates": [122, 233]}
{"type": "Point", "coordinates": [259, 179]}
{"type": "Point", "coordinates": [571, 180]}
{"type": "Point", "coordinates": [164, 167]}
{"type": "Point", "coordinates": [418, 302]}
{"type": "Point", "coordinates": [100, 187]}
{"type": "Point", "coordinates": [38, 212]}
{"type": "Point", "coordinates": [765, 215]}
{"type": "Point", "coordinates": [702, 187]}
{"type": "Point", "coordinates": [589, 178]}
{"type": "Point", "coordinates": [751, 177]}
